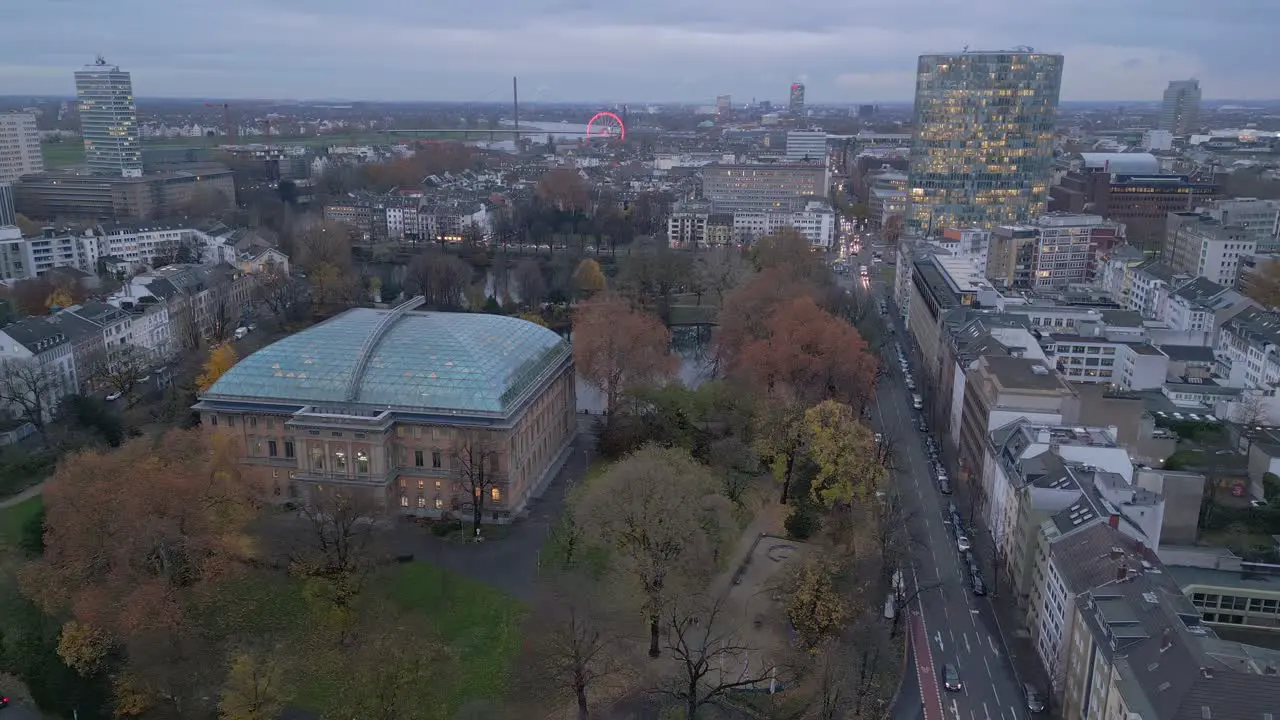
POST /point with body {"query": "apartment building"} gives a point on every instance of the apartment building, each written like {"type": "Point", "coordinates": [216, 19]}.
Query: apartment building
{"type": "Point", "coordinates": [1033, 471]}
{"type": "Point", "coordinates": [1139, 648]}
{"type": "Point", "coordinates": [22, 258]}
{"type": "Point", "coordinates": [1074, 555]}
{"type": "Point", "coordinates": [1202, 245]}
{"type": "Point", "coordinates": [1011, 256]}
{"type": "Point", "coordinates": [817, 221]}
{"type": "Point", "coordinates": [694, 224]}
{"type": "Point", "coordinates": [38, 365]}
{"type": "Point", "coordinates": [1131, 365]}
{"type": "Point", "coordinates": [998, 391]}
{"type": "Point", "coordinates": [20, 152]}
{"type": "Point", "coordinates": [1260, 220]}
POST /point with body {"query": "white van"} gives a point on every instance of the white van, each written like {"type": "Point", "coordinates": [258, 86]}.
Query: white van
{"type": "Point", "coordinates": [241, 332]}
{"type": "Point", "coordinates": [916, 402]}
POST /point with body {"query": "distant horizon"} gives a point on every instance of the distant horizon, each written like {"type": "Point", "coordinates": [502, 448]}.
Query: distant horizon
{"type": "Point", "coordinates": [780, 103]}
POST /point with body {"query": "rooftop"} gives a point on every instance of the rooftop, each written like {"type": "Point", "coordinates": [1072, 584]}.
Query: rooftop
{"type": "Point", "coordinates": [450, 362]}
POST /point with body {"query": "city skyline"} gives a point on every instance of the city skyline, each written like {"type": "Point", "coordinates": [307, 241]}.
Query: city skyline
{"type": "Point", "coordinates": [570, 51]}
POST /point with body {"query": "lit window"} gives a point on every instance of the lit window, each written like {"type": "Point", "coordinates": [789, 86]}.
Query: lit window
{"type": "Point", "coordinates": [495, 494]}
{"type": "Point", "coordinates": [404, 501]}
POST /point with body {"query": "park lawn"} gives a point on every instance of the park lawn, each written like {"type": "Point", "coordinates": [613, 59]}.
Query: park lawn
{"type": "Point", "coordinates": [14, 517]}
{"type": "Point", "coordinates": [480, 624]}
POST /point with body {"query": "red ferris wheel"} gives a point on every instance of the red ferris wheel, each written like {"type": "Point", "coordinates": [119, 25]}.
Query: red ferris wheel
{"type": "Point", "coordinates": [606, 125]}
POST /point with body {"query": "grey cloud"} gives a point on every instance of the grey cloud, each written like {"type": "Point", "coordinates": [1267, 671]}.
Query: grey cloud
{"type": "Point", "coordinates": [849, 50]}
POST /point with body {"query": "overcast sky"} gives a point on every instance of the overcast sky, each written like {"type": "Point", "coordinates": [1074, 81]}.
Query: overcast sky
{"type": "Point", "coordinates": [626, 50]}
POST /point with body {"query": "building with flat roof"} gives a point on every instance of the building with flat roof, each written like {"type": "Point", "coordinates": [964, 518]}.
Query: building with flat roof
{"type": "Point", "coordinates": [19, 147]}
{"type": "Point", "coordinates": [806, 146]}
{"type": "Point", "coordinates": [1180, 109]}
{"type": "Point", "coordinates": [394, 405]}
{"type": "Point", "coordinates": [108, 120]}
{"type": "Point", "coordinates": [982, 153]}
{"type": "Point", "coordinates": [52, 195]}
{"type": "Point", "coordinates": [782, 187]}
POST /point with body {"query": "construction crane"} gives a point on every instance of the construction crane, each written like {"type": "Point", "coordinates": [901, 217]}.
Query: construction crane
{"type": "Point", "coordinates": [228, 127]}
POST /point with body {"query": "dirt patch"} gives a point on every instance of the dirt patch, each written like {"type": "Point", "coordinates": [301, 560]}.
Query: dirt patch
{"type": "Point", "coordinates": [754, 600]}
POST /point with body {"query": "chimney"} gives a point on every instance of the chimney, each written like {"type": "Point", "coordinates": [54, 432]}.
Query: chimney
{"type": "Point", "coordinates": [1122, 572]}
{"type": "Point", "coordinates": [1114, 521]}
{"type": "Point", "coordinates": [1042, 436]}
{"type": "Point", "coordinates": [1166, 640]}
{"type": "Point", "coordinates": [1116, 553]}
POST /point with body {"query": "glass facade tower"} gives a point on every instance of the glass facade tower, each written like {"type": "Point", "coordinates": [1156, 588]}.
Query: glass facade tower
{"type": "Point", "coordinates": [1180, 111]}
{"type": "Point", "coordinates": [108, 120]}
{"type": "Point", "coordinates": [982, 152]}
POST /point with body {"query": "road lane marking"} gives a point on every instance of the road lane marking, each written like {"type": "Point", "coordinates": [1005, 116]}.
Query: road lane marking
{"type": "Point", "coordinates": [988, 664]}
{"type": "Point", "coordinates": [994, 649]}
{"type": "Point", "coordinates": [985, 711]}
{"type": "Point", "coordinates": [937, 635]}
{"type": "Point", "coordinates": [966, 643]}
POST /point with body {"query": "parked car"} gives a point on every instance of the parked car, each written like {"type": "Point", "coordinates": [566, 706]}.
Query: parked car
{"type": "Point", "coordinates": [951, 678]}
{"type": "Point", "coordinates": [979, 587]}
{"type": "Point", "coordinates": [114, 396]}
{"type": "Point", "coordinates": [944, 486]}
{"type": "Point", "coordinates": [1035, 701]}
{"type": "Point", "coordinates": [4, 702]}
{"type": "Point", "coordinates": [962, 541]}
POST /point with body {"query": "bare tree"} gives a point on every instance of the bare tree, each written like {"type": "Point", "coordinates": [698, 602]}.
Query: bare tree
{"type": "Point", "coordinates": [476, 462]}
{"type": "Point", "coordinates": [441, 279]}
{"type": "Point", "coordinates": [710, 657]}
{"type": "Point", "coordinates": [30, 390]}
{"type": "Point", "coordinates": [532, 284]}
{"type": "Point", "coordinates": [1250, 413]}
{"type": "Point", "coordinates": [223, 315]}
{"type": "Point", "coordinates": [570, 644]}
{"type": "Point", "coordinates": [340, 539]}
{"type": "Point", "coordinates": [284, 296]}
{"type": "Point", "coordinates": [721, 270]}
{"type": "Point", "coordinates": [121, 369]}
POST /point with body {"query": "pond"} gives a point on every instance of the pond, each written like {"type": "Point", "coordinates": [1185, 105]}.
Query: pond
{"type": "Point", "coordinates": [691, 343]}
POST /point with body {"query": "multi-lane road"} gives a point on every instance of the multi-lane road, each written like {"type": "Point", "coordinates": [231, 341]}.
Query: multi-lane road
{"type": "Point", "coordinates": [949, 623]}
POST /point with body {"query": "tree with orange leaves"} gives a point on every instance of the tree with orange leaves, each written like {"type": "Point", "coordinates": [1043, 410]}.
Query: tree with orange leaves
{"type": "Point", "coordinates": [807, 355]}
{"type": "Point", "coordinates": [135, 538]}
{"type": "Point", "coordinates": [746, 310]}
{"type": "Point", "coordinates": [618, 349]}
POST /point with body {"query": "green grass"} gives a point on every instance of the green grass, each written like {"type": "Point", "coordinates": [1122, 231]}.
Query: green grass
{"type": "Point", "coordinates": [62, 154]}
{"type": "Point", "coordinates": [12, 519]}
{"type": "Point", "coordinates": [480, 624]}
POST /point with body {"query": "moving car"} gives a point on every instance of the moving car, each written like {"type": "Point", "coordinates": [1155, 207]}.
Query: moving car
{"type": "Point", "coordinates": [951, 678]}
{"type": "Point", "coordinates": [862, 270]}
{"type": "Point", "coordinates": [4, 702]}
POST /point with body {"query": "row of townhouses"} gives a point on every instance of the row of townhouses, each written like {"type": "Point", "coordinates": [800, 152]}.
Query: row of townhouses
{"type": "Point", "coordinates": [125, 249]}
{"type": "Point", "coordinates": [153, 317]}
{"type": "Point", "coordinates": [697, 224]}
{"type": "Point", "coordinates": [447, 216]}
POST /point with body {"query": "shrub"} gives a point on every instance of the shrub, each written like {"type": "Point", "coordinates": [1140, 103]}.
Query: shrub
{"type": "Point", "coordinates": [803, 522]}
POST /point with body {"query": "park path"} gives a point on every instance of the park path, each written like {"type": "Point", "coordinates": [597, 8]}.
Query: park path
{"type": "Point", "coordinates": [27, 494]}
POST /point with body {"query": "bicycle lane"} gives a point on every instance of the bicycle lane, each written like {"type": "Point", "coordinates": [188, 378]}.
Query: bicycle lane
{"type": "Point", "coordinates": [926, 670]}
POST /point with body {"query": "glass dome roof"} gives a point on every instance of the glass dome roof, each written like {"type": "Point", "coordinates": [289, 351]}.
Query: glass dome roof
{"type": "Point", "coordinates": [468, 362]}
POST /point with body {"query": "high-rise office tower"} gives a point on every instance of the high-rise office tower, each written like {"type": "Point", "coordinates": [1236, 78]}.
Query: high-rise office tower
{"type": "Point", "coordinates": [19, 146]}
{"type": "Point", "coordinates": [982, 153]}
{"type": "Point", "coordinates": [796, 106]}
{"type": "Point", "coordinates": [1180, 113]}
{"type": "Point", "coordinates": [108, 120]}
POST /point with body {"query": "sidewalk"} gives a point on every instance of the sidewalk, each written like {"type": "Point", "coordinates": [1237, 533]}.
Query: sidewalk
{"type": "Point", "coordinates": [27, 494]}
